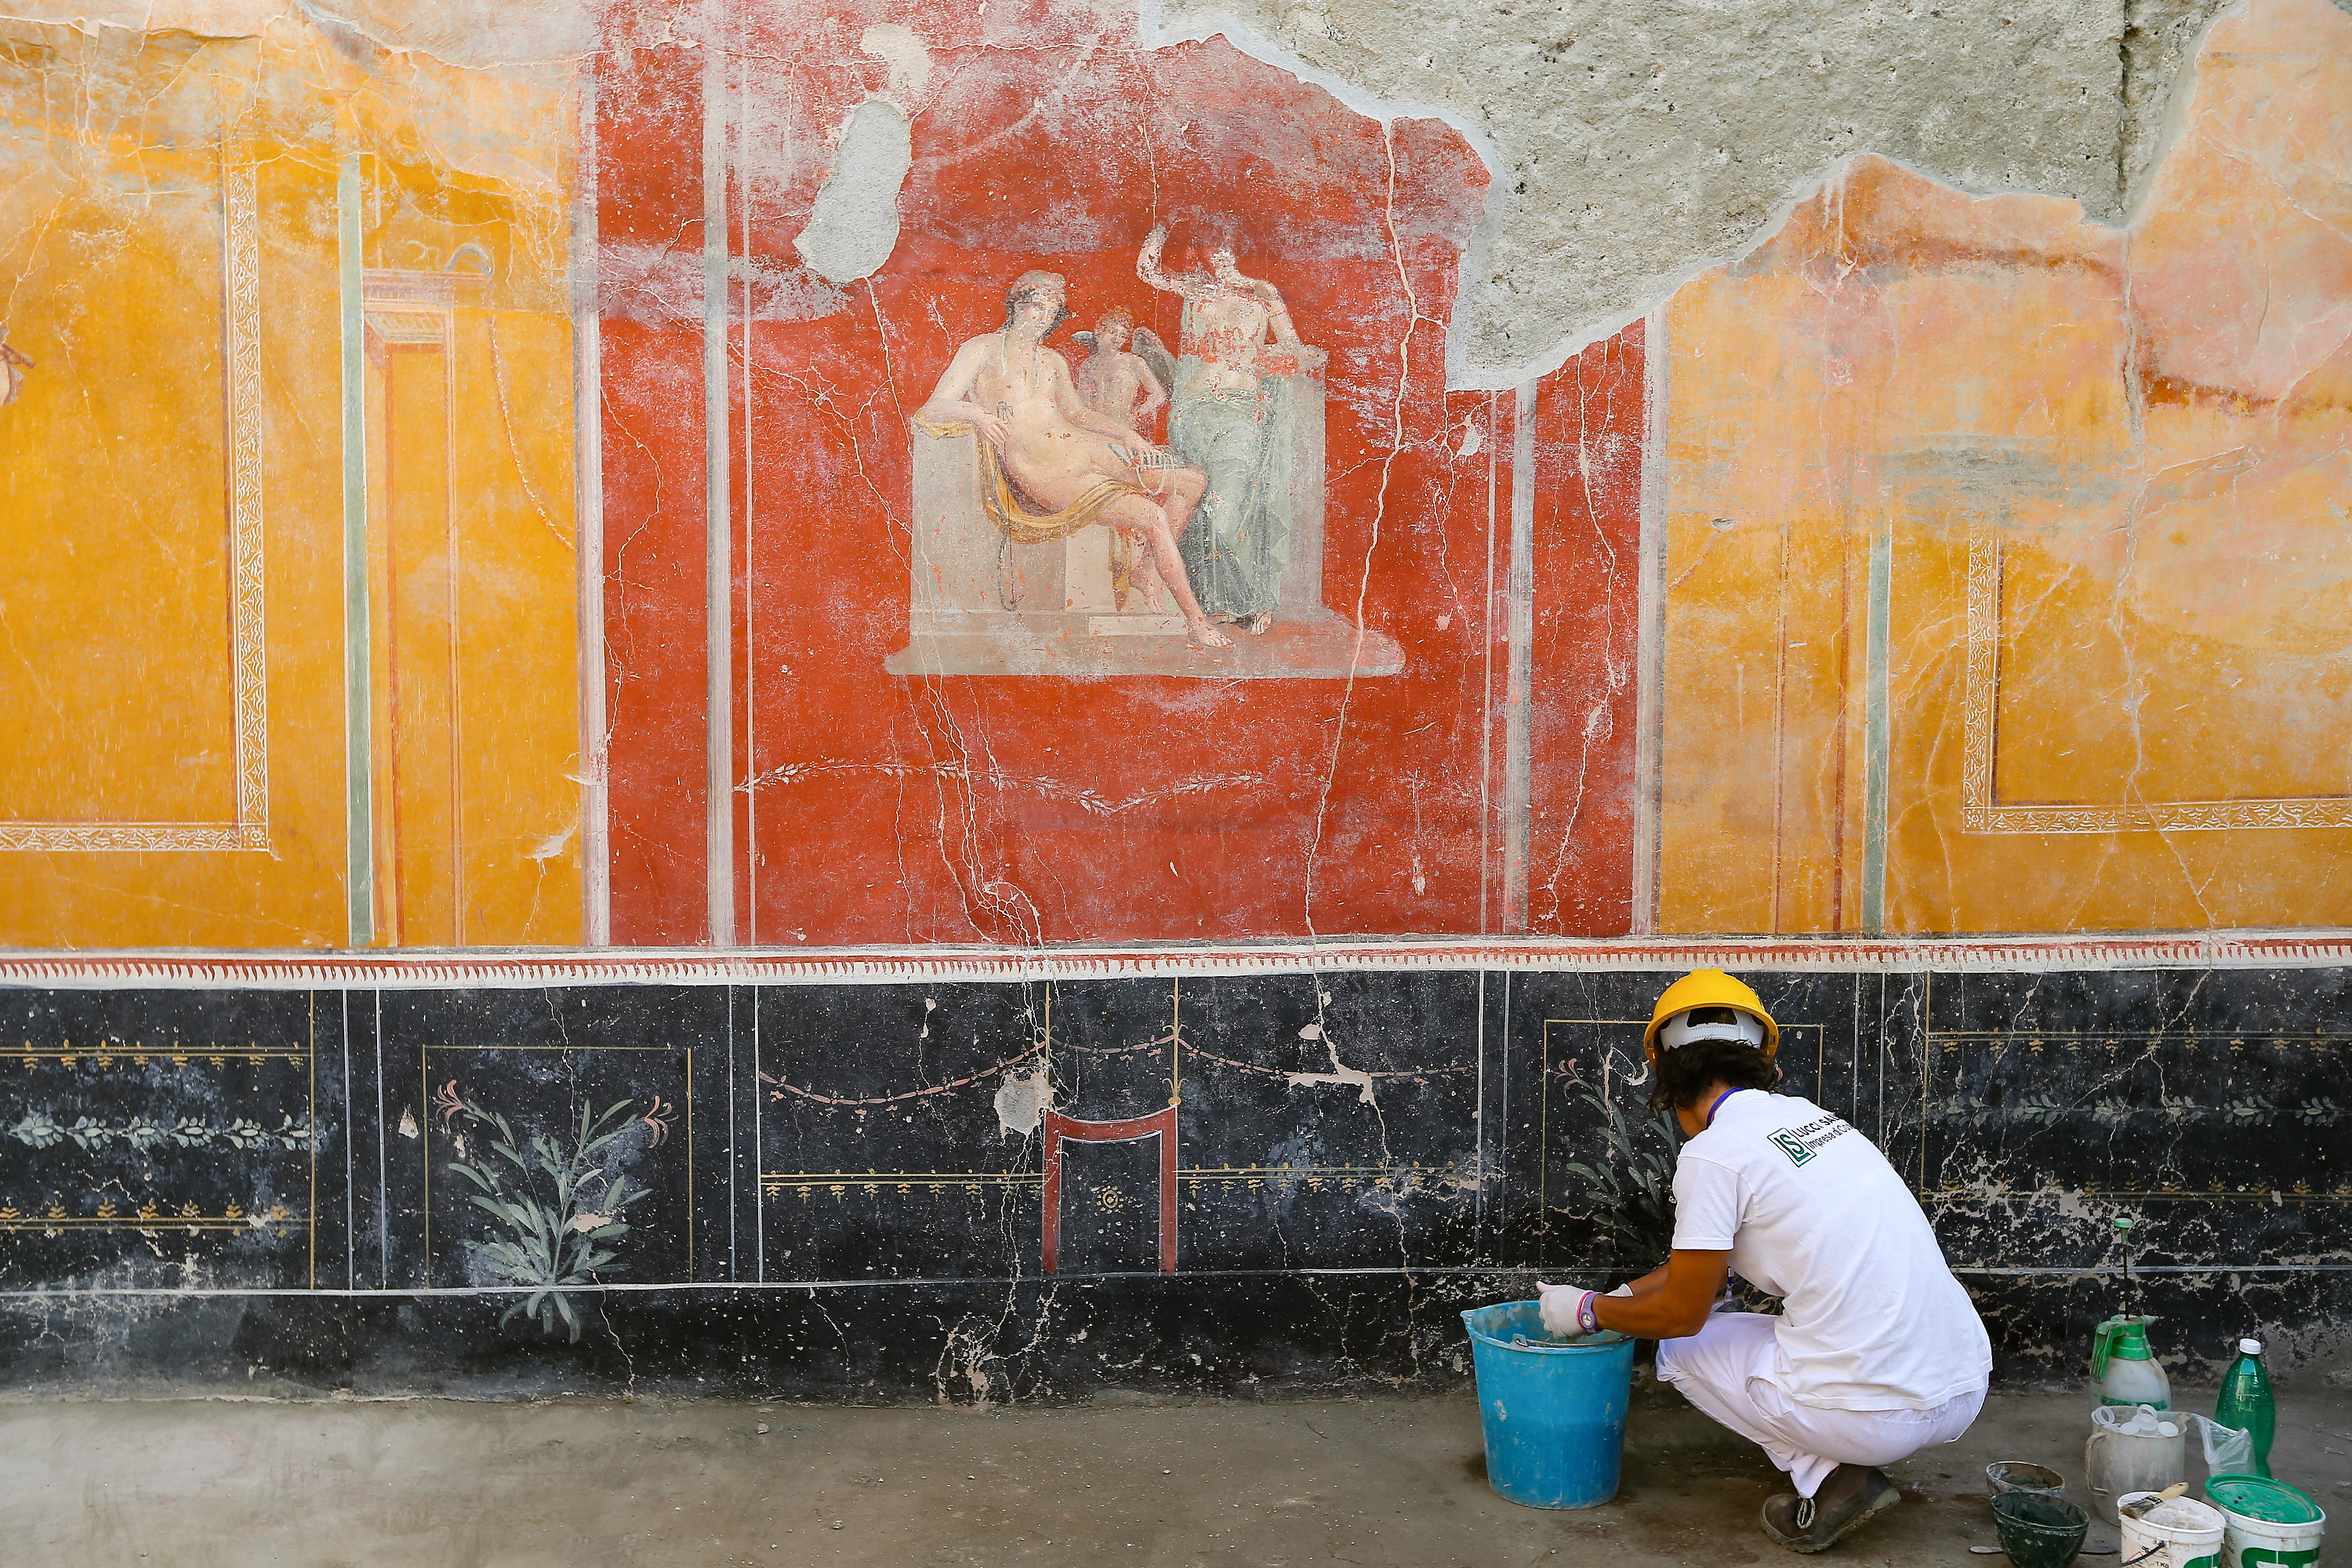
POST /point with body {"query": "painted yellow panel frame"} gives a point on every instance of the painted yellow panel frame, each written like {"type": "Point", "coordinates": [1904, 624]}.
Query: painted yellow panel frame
{"type": "Point", "coordinates": [27, 448]}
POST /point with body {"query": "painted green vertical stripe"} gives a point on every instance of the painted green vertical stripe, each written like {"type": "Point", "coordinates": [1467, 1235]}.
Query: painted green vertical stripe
{"type": "Point", "coordinates": [359, 707]}
{"type": "Point", "coordinates": [1875, 735]}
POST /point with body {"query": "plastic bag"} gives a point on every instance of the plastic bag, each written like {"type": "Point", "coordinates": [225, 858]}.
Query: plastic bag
{"type": "Point", "coordinates": [2228, 1451]}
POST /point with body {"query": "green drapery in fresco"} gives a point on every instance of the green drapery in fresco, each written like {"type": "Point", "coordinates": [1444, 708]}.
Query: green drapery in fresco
{"type": "Point", "coordinates": [1238, 542]}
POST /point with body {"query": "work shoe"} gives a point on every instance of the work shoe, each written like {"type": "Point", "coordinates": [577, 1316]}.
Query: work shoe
{"type": "Point", "coordinates": [1849, 1495]}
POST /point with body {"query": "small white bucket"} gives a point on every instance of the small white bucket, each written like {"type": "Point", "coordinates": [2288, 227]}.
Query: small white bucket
{"type": "Point", "coordinates": [2174, 1544]}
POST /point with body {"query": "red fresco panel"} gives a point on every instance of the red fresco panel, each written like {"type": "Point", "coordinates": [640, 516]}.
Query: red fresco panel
{"type": "Point", "coordinates": [889, 808]}
{"type": "Point", "coordinates": [1588, 516]}
{"type": "Point", "coordinates": [649, 213]}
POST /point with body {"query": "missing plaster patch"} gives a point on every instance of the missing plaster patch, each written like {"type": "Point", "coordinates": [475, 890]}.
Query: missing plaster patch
{"type": "Point", "coordinates": [902, 49]}
{"type": "Point", "coordinates": [1356, 1078]}
{"type": "Point", "coordinates": [854, 225]}
{"type": "Point", "coordinates": [1021, 1103]}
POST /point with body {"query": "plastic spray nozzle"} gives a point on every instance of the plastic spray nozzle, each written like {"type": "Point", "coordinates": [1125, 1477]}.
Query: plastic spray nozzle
{"type": "Point", "coordinates": [2124, 1225]}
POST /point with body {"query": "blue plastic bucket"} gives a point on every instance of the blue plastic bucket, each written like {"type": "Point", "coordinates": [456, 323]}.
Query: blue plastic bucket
{"type": "Point", "coordinates": [1554, 1413]}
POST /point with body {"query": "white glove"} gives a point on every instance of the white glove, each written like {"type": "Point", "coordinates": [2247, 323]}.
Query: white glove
{"type": "Point", "coordinates": [1567, 1310]}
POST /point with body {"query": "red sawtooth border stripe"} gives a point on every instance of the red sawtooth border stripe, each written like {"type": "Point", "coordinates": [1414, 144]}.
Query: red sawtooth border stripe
{"type": "Point", "coordinates": [509, 968]}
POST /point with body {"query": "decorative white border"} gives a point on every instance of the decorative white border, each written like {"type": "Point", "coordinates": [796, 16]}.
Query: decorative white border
{"type": "Point", "coordinates": [508, 969]}
{"type": "Point", "coordinates": [249, 641]}
{"type": "Point", "coordinates": [242, 247]}
{"type": "Point", "coordinates": [1978, 814]}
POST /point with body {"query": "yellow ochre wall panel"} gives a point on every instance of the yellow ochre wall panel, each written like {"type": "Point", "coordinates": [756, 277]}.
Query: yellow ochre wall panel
{"type": "Point", "coordinates": [519, 618]}
{"type": "Point", "coordinates": [150, 794]}
{"type": "Point", "coordinates": [113, 495]}
{"type": "Point", "coordinates": [2089, 488]}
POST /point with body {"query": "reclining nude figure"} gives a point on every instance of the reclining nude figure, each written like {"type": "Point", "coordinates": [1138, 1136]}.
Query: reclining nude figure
{"type": "Point", "coordinates": [1017, 393]}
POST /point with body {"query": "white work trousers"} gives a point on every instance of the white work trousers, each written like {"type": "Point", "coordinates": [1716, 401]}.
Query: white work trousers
{"type": "Point", "coordinates": [1726, 1369]}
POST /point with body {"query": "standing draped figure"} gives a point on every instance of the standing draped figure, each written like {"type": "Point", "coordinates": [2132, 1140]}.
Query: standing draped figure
{"type": "Point", "coordinates": [1228, 417]}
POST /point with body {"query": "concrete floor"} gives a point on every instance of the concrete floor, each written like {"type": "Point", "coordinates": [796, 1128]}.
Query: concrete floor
{"type": "Point", "coordinates": [1400, 1482]}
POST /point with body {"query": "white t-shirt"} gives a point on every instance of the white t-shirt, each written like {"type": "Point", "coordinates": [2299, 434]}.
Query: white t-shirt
{"type": "Point", "coordinates": [1811, 1211]}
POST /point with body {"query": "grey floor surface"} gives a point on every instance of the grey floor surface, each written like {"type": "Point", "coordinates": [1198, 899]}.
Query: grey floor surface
{"type": "Point", "coordinates": [588, 1482]}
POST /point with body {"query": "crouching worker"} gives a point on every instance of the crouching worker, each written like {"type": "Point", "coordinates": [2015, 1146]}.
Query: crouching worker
{"type": "Point", "coordinates": [1876, 1353]}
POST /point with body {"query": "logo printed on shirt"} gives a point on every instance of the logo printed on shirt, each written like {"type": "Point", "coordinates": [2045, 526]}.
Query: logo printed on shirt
{"type": "Point", "coordinates": [1801, 1144]}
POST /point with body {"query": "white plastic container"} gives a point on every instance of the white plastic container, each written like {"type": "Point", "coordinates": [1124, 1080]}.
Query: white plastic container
{"type": "Point", "coordinates": [2132, 1449]}
{"type": "Point", "coordinates": [2182, 1533]}
{"type": "Point", "coordinates": [2290, 1539]}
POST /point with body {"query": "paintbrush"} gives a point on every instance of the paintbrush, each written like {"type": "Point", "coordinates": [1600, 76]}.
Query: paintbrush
{"type": "Point", "coordinates": [2138, 1510]}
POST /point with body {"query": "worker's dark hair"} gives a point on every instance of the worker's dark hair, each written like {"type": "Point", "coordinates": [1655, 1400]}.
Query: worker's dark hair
{"type": "Point", "coordinates": [1682, 1073]}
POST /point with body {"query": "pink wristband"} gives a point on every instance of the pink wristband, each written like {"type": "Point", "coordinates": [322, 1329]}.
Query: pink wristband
{"type": "Point", "coordinates": [1586, 1316]}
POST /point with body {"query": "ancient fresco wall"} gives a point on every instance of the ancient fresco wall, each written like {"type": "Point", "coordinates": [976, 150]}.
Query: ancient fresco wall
{"type": "Point", "coordinates": [850, 1179]}
{"type": "Point", "coordinates": [473, 494]}
{"type": "Point", "coordinates": [952, 720]}
{"type": "Point", "coordinates": [514, 478]}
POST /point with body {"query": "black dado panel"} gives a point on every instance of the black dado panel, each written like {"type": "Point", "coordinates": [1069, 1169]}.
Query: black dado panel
{"type": "Point", "coordinates": [1256, 1183]}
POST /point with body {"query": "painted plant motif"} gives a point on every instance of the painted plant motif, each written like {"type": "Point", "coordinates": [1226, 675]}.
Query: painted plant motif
{"type": "Point", "coordinates": [1629, 1196]}
{"type": "Point", "coordinates": [557, 1208]}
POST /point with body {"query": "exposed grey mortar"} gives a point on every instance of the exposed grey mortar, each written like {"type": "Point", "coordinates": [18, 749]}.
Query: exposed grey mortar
{"type": "Point", "coordinates": [854, 224]}
{"type": "Point", "coordinates": [1642, 139]}
{"type": "Point", "coordinates": [2159, 38]}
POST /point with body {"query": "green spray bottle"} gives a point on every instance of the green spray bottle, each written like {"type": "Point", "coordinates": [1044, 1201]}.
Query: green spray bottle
{"type": "Point", "coordinates": [2245, 1403]}
{"type": "Point", "coordinates": [2122, 1370]}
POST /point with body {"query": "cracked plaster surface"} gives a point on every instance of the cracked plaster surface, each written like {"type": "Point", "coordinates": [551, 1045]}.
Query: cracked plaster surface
{"type": "Point", "coordinates": [1634, 145]}
{"type": "Point", "coordinates": [470, 34]}
{"type": "Point", "coordinates": [2144, 424]}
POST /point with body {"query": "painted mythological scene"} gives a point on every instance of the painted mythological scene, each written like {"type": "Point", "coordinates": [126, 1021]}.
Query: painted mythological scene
{"type": "Point", "coordinates": [1094, 483]}
{"type": "Point", "coordinates": [1012, 427]}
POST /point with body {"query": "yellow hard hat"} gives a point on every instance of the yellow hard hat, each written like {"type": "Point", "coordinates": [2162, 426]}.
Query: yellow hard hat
{"type": "Point", "coordinates": [1709, 988]}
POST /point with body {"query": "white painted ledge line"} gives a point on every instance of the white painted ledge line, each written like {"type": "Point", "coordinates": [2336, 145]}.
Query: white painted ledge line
{"type": "Point", "coordinates": [1467, 1270]}
{"type": "Point", "coordinates": [2111, 1271]}
{"type": "Point", "coordinates": [647, 1288]}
